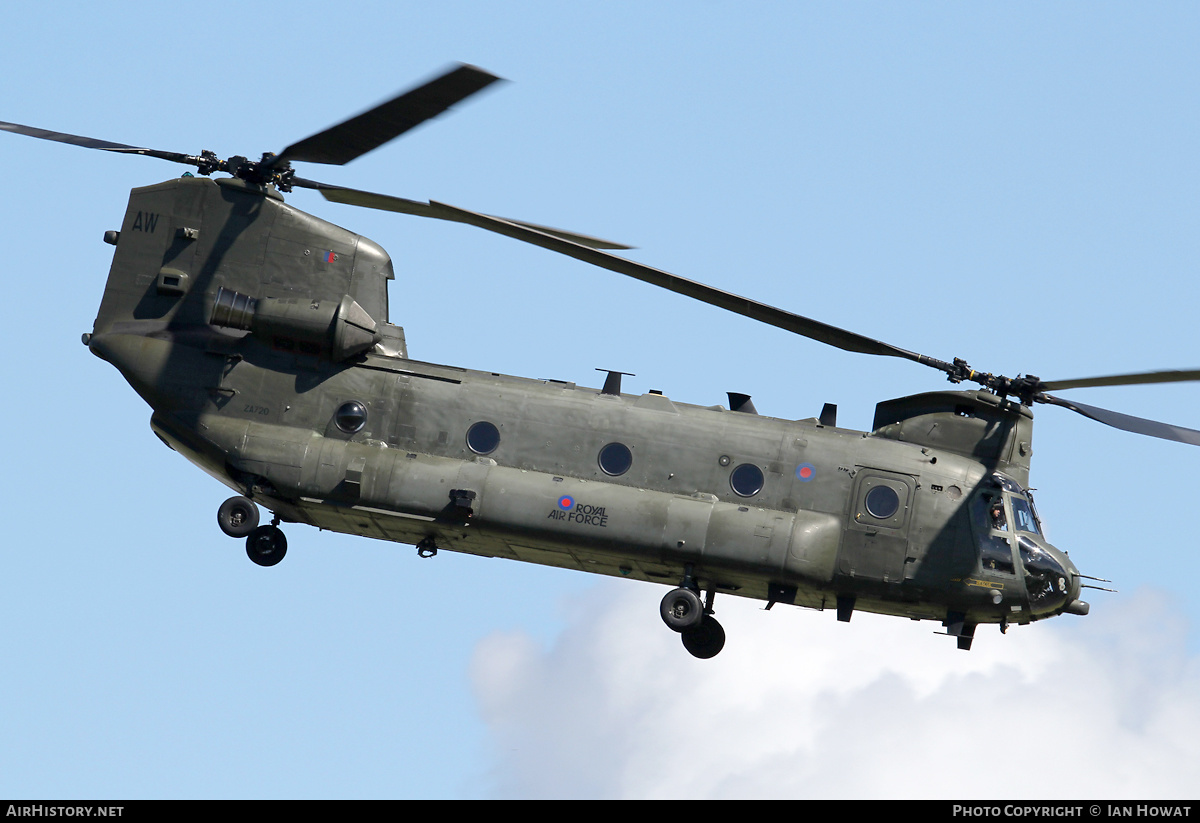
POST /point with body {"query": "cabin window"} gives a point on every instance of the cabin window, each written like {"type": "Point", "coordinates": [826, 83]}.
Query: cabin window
{"type": "Point", "coordinates": [615, 459]}
{"type": "Point", "coordinates": [351, 416]}
{"type": "Point", "coordinates": [882, 502]}
{"type": "Point", "coordinates": [483, 437]}
{"type": "Point", "coordinates": [746, 480]}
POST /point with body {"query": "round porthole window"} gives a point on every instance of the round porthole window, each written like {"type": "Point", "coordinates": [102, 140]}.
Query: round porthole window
{"type": "Point", "coordinates": [746, 480]}
{"type": "Point", "coordinates": [351, 416]}
{"type": "Point", "coordinates": [483, 437]}
{"type": "Point", "coordinates": [882, 502]}
{"type": "Point", "coordinates": [615, 459]}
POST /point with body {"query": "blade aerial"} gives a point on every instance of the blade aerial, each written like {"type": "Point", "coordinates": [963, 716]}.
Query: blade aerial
{"type": "Point", "coordinates": [92, 142]}
{"type": "Point", "coordinates": [355, 137]}
{"type": "Point", "coordinates": [1167, 376]}
{"type": "Point", "coordinates": [804, 326]}
{"type": "Point", "coordinates": [1129, 423]}
{"type": "Point", "coordinates": [387, 202]}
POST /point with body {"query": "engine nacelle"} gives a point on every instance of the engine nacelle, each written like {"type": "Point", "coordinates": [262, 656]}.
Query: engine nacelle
{"type": "Point", "coordinates": [299, 324]}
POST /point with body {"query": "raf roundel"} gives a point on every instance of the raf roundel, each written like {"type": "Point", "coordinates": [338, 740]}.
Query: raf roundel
{"type": "Point", "coordinates": [566, 502]}
{"type": "Point", "coordinates": [806, 472]}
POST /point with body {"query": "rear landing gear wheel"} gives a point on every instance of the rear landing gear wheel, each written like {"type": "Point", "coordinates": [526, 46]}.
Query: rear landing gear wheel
{"type": "Point", "coordinates": [266, 545]}
{"type": "Point", "coordinates": [681, 609]}
{"type": "Point", "coordinates": [238, 516]}
{"type": "Point", "coordinates": [705, 640]}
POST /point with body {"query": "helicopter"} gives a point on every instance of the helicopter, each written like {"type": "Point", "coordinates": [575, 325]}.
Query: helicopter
{"type": "Point", "coordinates": [260, 337]}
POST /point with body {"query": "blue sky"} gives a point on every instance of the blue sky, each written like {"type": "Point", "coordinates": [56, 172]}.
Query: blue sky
{"type": "Point", "coordinates": [1015, 184]}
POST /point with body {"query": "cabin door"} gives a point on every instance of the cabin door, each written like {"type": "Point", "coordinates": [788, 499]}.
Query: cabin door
{"type": "Point", "coordinates": [875, 543]}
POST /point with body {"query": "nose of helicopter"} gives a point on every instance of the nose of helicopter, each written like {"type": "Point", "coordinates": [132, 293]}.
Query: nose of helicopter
{"type": "Point", "coordinates": [1051, 579]}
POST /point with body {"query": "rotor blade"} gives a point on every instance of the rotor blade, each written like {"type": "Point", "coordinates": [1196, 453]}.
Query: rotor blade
{"type": "Point", "coordinates": [387, 202]}
{"type": "Point", "coordinates": [1125, 422]}
{"type": "Point", "coordinates": [355, 137]}
{"type": "Point", "coordinates": [1123, 380]}
{"type": "Point", "coordinates": [91, 142]}
{"type": "Point", "coordinates": [804, 326]}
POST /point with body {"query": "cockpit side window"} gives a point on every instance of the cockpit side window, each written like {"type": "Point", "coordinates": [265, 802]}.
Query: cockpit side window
{"type": "Point", "coordinates": [996, 556]}
{"type": "Point", "coordinates": [995, 551]}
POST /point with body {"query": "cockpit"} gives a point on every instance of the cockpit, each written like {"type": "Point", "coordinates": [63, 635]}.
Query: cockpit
{"type": "Point", "coordinates": [1013, 546]}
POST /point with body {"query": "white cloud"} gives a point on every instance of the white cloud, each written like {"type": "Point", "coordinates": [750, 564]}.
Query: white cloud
{"type": "Point", "coordinates": [799, 705]}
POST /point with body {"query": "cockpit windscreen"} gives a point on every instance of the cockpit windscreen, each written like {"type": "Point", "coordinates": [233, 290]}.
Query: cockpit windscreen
{"type": "Point", "coordinates": [1023, 515]}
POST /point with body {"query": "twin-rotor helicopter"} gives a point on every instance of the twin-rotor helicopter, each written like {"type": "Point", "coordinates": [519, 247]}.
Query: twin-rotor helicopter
{"type": "Point", "coordinates": [260, 337]}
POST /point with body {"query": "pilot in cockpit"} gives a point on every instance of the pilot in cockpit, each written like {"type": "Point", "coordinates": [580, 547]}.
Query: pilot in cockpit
{"type": "Point", "coordinates": [996, 512]}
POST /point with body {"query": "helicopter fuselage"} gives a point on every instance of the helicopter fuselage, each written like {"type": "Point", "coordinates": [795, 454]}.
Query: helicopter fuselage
{"type": "Point", "coordinates": [259, 336]}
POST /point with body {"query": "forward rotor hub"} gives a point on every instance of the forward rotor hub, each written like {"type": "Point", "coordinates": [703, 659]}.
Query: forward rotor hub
{"type": "Point", "coordinates": [1027, 388]}
{"type": "Point", "coordinates": [268, 171]}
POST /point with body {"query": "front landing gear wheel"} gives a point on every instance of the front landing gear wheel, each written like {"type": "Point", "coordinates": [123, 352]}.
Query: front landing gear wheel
{"type": "Point", "coordinates": [681, 609]}
{"type": "Point", "coordinates": [238, 516]}
{"type": "Point", "coordinates": [706, 640]}
{"type": "Point", "coordinates": [266, 545]}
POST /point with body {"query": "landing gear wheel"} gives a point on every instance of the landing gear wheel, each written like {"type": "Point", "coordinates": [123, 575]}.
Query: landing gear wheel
{"type": "Point", "coordinates": [238, 516]}
{"type": "Point", "coordinates": [706, 640]}
{"type": "Point", "coordinates": [266, 545]}
{"type": "Point", "coordinates": [681, 609]}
